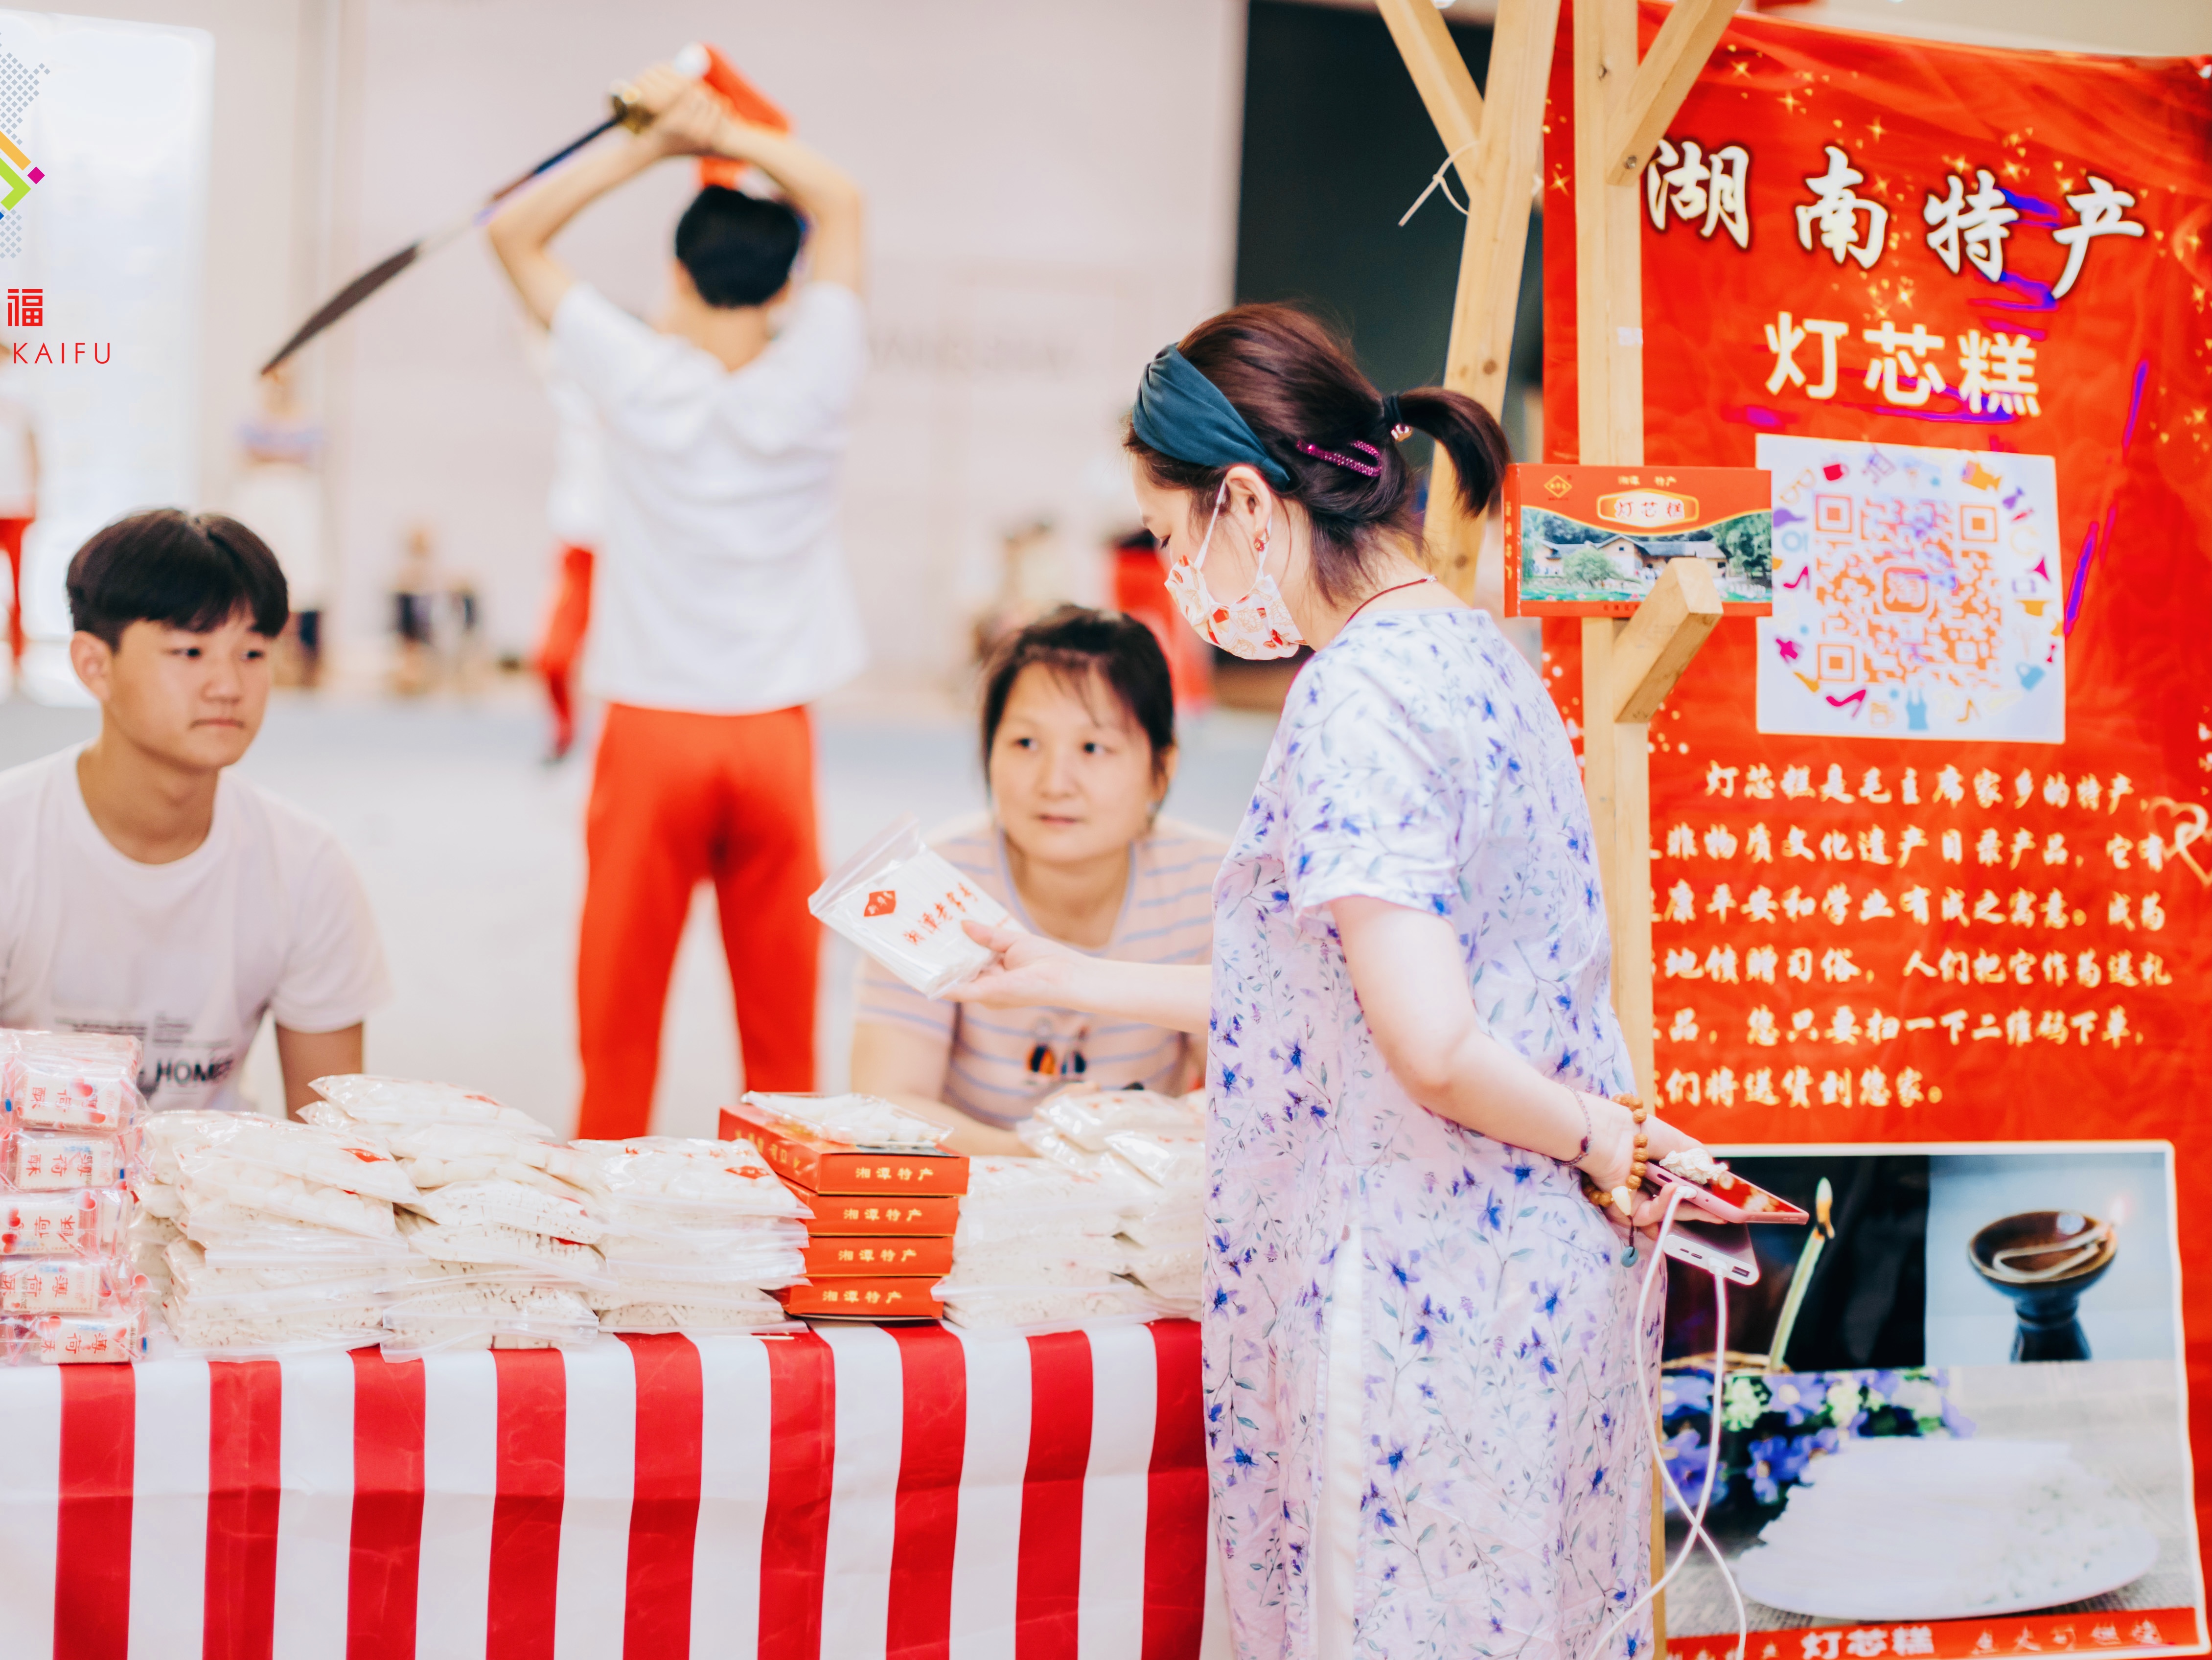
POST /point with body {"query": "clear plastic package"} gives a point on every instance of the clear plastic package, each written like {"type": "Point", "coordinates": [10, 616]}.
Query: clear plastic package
{"type": "Point", "coordinates": [438, 1154]}
{"type": "Point", "coordinates": [867, 1121]}
{"type": "Point", "coordinates": [221, 1187]}
{"type": "Point", "coordinates": [903, 905]}
{"type": "Point", "coordinates": [1173, 1161]}
{"type": "Point", "coordinates": [68, 1285]}
{"type": "Point", "coordinates": [46, 1161]}
{"type": "Point", "coordinates": [82, 1222]}
{"type": "Point", "coordinates": [1037, 1203]}
{"type": "Point", "coordinates": [1087, 1117]}
{"type": "Point", "coordinates": [375, 1101]}
{"type": "Point", "coordinates": [239, 1236]}
{"type": "Point", "coordinates": [510, 1205]}
{"type": "Point", "coordinates": [1176, 1221]}
{"type": "Point", "coordinates": [68, 1339]}
{"type": "Point", "coordinates": [717, 1319]}
{"type": "Point", "coordinates": [1046, 1142]}
{"type": "Point", "coordinates": [765, 1246]}
{"type": "Point", "coordinates": [69, 1081]}
{"type": "Point", "coordinates": [243, 1335]}
{"type": "Point", "coordinates": [257, 1145]}
{"type": "Point", "coordinates": [273, 1283]}
{"type": "Point", "coordinates": [163, 1135]}
{"type": "Point", "coordinates": [1034, 1310]}
{"type": "Point", "coordinates": [468, 1311]}
{"type": "Point", "coordinates": [674, 1182]}
{"type": "Point", "coordinates": [1053, 1262]}
{"type": "Point", "coordinates": [494, 1242]}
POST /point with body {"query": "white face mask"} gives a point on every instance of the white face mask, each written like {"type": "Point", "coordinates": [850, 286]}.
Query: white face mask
{"type": "Point", "coordinates": [1257, 626]}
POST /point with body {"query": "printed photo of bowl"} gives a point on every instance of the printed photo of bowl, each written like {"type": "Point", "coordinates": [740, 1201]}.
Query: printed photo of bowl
{"type": "Point", "coordinates": [2043, 1260]}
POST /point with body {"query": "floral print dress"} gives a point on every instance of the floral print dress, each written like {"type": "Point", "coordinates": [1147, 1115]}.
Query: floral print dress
{"type": "Point", "coordinates": [1503, 1506]}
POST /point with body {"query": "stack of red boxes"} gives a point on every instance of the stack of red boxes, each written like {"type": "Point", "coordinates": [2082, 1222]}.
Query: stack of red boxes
{"type": "Point", "coordinates": [881, 1235]}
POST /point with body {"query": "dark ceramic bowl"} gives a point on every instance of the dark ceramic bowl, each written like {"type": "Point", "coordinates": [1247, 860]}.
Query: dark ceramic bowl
{"type": "Point", "coordinates": [2049, 1328]}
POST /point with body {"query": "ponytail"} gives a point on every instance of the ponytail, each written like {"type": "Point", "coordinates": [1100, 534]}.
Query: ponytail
{"type": "Point", "coordinates": [1322, 424]}
{"type": "Point", "coordinates": [1466, 432]}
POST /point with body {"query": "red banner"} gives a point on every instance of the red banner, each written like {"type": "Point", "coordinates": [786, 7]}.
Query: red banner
{"type": "Point", "coordinates": [1870, 936]}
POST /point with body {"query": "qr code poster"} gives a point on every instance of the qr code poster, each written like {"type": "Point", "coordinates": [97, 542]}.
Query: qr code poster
{"type": "Point", "coordinates": [1915, 595]}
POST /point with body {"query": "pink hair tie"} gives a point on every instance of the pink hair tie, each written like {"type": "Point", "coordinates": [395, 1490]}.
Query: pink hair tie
{"type": "Point", "coordinates": [1367, 469]}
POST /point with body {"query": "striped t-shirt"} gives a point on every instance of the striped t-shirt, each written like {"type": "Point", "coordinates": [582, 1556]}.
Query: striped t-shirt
{"type": "Point", "coordinates": [1000, 1064]}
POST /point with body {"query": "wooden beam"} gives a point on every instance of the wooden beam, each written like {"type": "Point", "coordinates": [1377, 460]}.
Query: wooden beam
{"type": "Point", "coordinates": [1627, 671]}
{"type": "Point", "coordinates": [1663, 80]}
{"type": "Point", "coordinates": [1609, 274]}
{"type": "Point", "coordinates": [1486, 302]}
{"type": "Point", "coordinates": [1440, 75]}
{"type": "Point", "coordinates": [1682, 608]}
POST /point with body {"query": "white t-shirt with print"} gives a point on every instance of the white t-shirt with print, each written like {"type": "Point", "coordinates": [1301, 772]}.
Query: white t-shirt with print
{"type": "Point", "coordinates": [720, 587]}
{"type": "Point", "coordinates": [265, 917]}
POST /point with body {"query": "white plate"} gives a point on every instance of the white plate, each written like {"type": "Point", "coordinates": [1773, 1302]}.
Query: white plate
{"type": "Point", "coordinates": [1867, 1536]}
{"type": "Point", "coordinates": [2133, 1555]}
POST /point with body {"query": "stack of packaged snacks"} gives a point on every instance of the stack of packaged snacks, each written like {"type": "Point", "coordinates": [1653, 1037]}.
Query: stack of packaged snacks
{"type": "Point", "coordinates": [1151, 1148]}
{"type": "Point", "coordinates": [882, 1195]}
{"type": "Point", "coordinates": [700, 1232]}
{"type": "Point", "coordinates": [69, 1117]}
{"type": "Point", "coordinates": [1039, 1249]}
{"type": "Point", "coordinates": [288, 1239]}
{"type": "Point", "coordinates": [504, 1227]}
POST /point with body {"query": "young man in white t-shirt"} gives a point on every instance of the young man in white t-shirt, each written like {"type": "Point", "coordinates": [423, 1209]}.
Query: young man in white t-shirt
{"type": "Point", "coordinates": [722, 606]}
{"type": "Point", "coordinates": [146, 890]}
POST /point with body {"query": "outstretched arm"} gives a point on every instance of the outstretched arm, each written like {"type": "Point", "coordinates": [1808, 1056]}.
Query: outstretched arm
{"type": "Point", "coordinates": [688, 119]}
{"type": "Point", "coordinates": [526, 224]}
{"type": "Point", "coordinates": [1035, 973]}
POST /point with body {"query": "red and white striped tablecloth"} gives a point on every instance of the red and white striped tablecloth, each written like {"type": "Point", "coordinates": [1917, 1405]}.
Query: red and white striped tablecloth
{"type": "Point", "coordinates": [906, 1491]}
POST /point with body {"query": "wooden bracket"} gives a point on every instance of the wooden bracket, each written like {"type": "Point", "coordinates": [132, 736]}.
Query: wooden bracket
{"type": "Point", "coordinates": [1440, 75]}
{"type": "Point", "coordinates": [1499, 174]}
{"type": "Point", "coordinates": [1663, 81]}
{"type": "Point", "coordinates": [1651, 652]}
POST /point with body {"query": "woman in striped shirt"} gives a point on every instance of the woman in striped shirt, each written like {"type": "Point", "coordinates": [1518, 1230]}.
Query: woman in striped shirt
{"type": "Point", "coordinates": [1078, 750]}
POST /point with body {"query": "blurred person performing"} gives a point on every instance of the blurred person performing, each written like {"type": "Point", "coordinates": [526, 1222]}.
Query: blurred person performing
{"type": "Point", "coordinates": [279, 491]}
{"type": "Point", "coordinates": [1078, 751]}
{"type": "Point", "coordinates": [575, 514]}
{"type": "Point", "coordinates": [147, 890]}
{"type": "Point", "coordinates": [1425, 1404]}
{"type": "Point", "coordinates": [722, 607]}
{"type": "Point", "coordinates": [19, 498]}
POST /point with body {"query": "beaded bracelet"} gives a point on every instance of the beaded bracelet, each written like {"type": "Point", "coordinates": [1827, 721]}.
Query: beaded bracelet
{"type": "Point", "coordinates": [1623, 1197]}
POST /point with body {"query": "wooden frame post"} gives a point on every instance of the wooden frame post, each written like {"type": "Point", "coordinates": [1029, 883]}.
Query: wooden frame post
{"type": "Point", "coordinates": [1621, 109]}
{"type": "Point", "coordinates": [1496, 148]}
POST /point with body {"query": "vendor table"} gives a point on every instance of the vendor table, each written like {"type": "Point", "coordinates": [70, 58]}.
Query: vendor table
{"type": "Point", "coordinates": [846, 1493]}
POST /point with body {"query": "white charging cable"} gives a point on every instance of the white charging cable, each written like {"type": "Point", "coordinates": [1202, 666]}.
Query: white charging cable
{"type": "Point", "coordinates": [1675, 1195]}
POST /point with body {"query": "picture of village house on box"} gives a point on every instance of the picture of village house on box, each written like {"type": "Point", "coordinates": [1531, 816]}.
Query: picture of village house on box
{"type": "Point", "coordinates": [1953, 1419]}
{"type": "Point", "coordinates": [1592, 541]}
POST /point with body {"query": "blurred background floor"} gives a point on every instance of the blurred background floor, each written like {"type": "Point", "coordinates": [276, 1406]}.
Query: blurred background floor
{"type": "Point", "coordinates": [472, 851]}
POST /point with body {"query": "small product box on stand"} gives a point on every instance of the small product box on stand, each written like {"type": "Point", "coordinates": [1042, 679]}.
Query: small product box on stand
{"type": "Point", "coordinates": [885, 1200]}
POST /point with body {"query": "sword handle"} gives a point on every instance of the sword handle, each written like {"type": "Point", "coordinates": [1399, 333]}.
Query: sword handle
{"type": "Point", "coordinates": [631, 114]}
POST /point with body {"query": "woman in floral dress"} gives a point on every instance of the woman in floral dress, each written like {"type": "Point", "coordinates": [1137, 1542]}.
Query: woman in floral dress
{"type": "Point", "coordinates": [1424, 1412]}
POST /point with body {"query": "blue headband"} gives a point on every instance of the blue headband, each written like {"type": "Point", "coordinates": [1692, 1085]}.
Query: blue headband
{"type": "Point", "coordinates": [1182, 414]}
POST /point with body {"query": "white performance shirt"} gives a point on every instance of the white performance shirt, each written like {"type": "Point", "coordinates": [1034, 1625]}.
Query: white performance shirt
{"type": "Point", "coordinates": [266, 916]}
{"type": "Point", "coordinates": [720, 587]}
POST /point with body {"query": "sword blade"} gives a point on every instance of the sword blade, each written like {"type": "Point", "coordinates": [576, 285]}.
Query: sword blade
{"type": "Point", "coordinates": [378, 275]}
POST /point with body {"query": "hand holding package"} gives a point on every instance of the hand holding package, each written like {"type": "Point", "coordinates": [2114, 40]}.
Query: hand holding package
{"type": "Point", "coordinates": [903, 905]}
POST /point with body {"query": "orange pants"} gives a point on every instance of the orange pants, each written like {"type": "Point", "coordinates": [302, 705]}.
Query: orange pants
{"type": "Point", "coordinates": [677, 800]}
{"type": "Point", "coordinates": [11, 542]}
{"type": "Point", "coordinates": [563, 641]}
